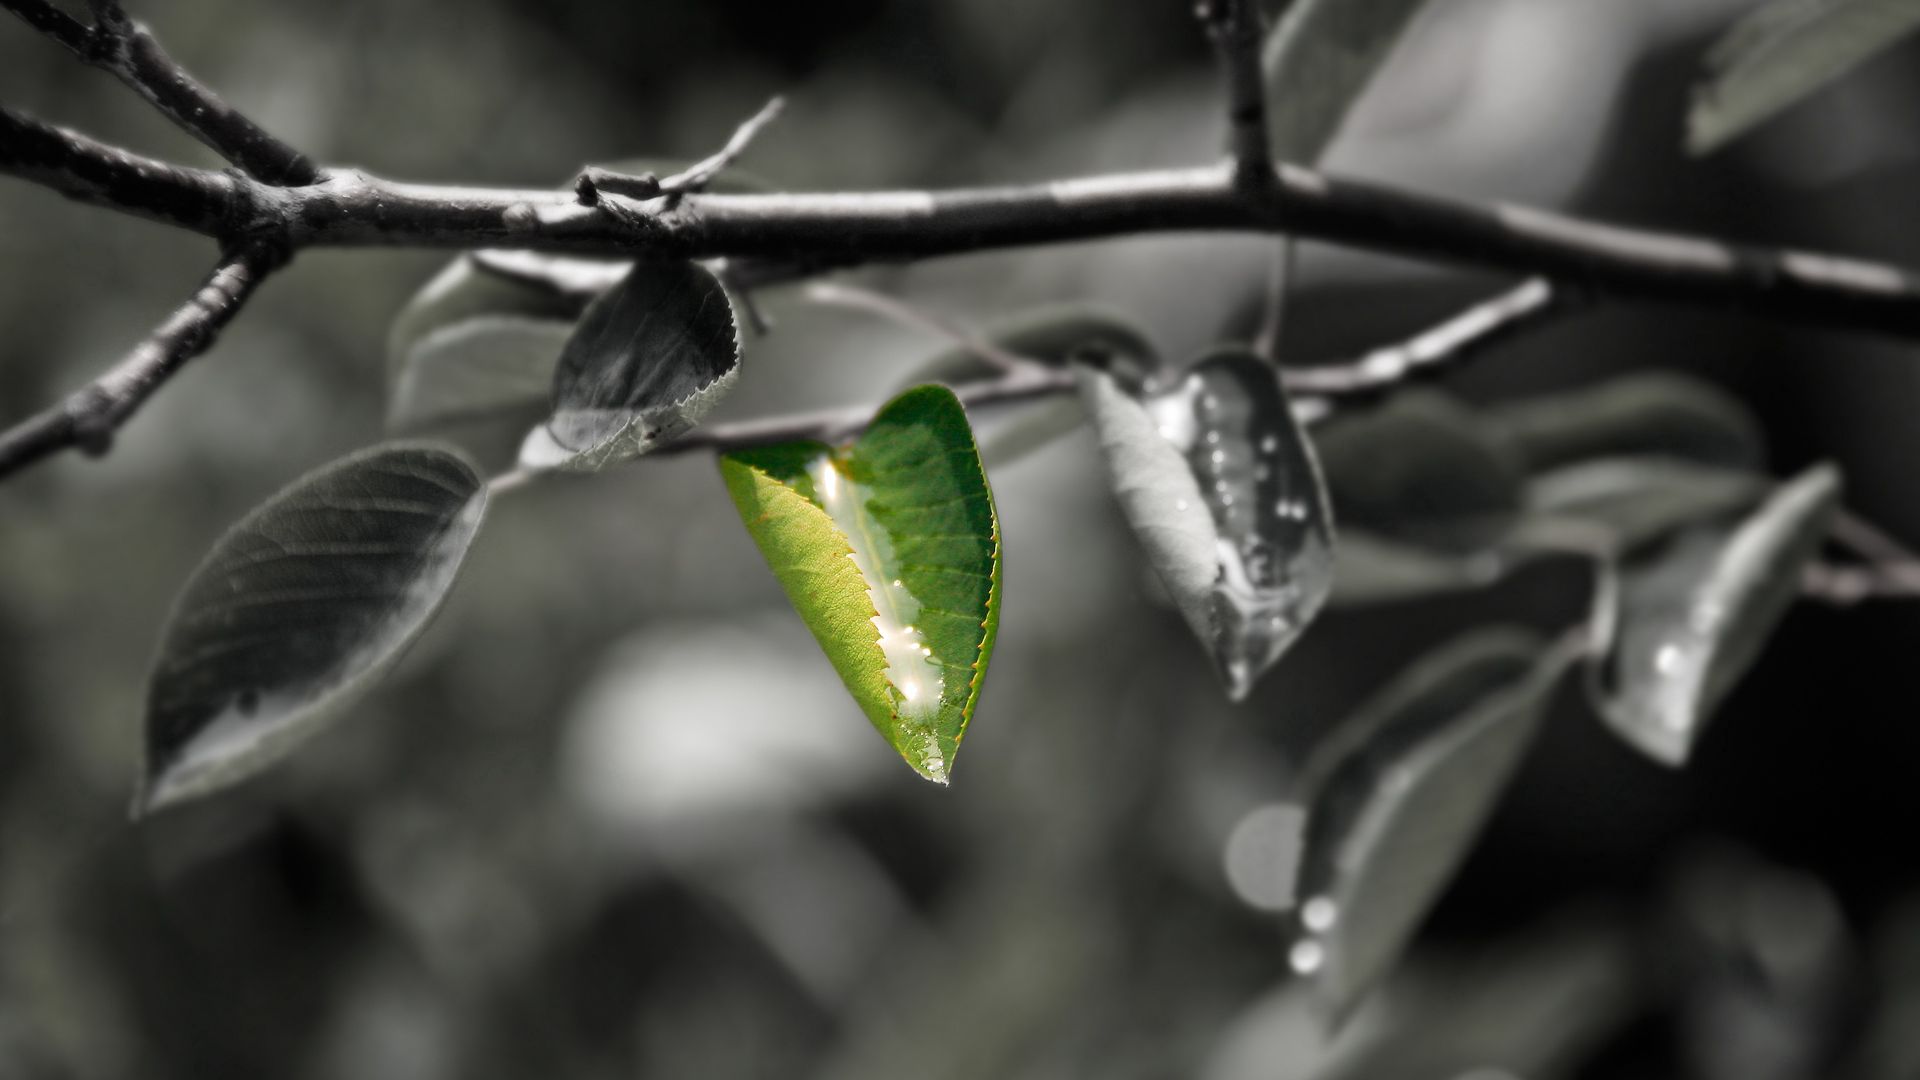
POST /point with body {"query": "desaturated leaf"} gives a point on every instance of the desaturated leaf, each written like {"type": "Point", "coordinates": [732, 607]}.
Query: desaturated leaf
{"type": "Point", "coordinates": [1318, 59]}
{"type": "Point", "coordinates": [1635, 501]}
{"type": "Point", "coordinates": [889, 549]}
{"type": "Point", "coordinates": [1656, 414]}
{"type": "Point", "coordinates": [1052, 334]}
{"type": "Point", "coordinates": [1222, 488]}
{"type": "Point", "coordinates": [1784, 51]}
{"type": "Point", "coordinates": [299, 608]}
{"type": "Point", "coordinates": [1374, 571]}
{"type": "Point", "coordinates": [646, 362]}
{"type": "Point", "coordinates": [467, 288]}
{"type": "Point", "coordinates": [1398, 793]}
{"type": "Point", "coordinates": [1055, 334]}
{"type": "Point", "coordinates": [1421, 469]}
{"type": "Point", "coordinates": [1031, 429]}
{"type": "Point", "coordinates": [479, 383]}
{"type": "Point", "coordinates": [1691, 616]}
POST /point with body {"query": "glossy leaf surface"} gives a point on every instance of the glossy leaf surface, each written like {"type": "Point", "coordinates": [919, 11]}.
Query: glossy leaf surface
{"type": "Point", "coordinates": [1693, 615]}
{"type": "Point", "coordinates": [1223, 491]}
{"type": "Point", "coordinates": [889, 549]}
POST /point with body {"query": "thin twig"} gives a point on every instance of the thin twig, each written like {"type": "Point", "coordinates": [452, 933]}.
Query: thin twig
{"type": "Point", "coordinates": [1845, 586]}
{"type": "Point", "coordinates": [696, 177]}
{"type": "Point", "coordinates": [1530, 304]}
{"type": "Point", "coordinates": [92, 172]}
{"type": "Point", "coordinates": [834, 425]}
{"type": "Point", "coordinates": [1871, 541]}
{"type": "Point", "coordinates": [89, 416]}
{"type": "Point", "coordinates": [595, 181]}
{"type": "Point", "coordinates": [1273, 315]}
{"type": "Point", "coordinates": [1234, 27]}
{"type": "Point", "coordinates": [122, 47]}
{"type": "Point", "coordinates": [887, 307]}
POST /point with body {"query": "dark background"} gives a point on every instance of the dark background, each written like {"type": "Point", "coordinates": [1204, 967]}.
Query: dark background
{"type": "Point", "coordinates": [615, 817]}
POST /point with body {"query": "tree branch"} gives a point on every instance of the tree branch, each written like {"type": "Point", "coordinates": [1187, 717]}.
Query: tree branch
{"type": "Point", "coordinates": [122, 47]}
{"type": "Point", "coordinates": [1234, 27]}
{"type": "Point", "coordinates": [1464, 336]}
{"type": "Point", "coordinates": [101, 175]}
{"type": "Point", "coordinates": [89, 416]}
{"type": "Point", "coordinates": [771, 237]}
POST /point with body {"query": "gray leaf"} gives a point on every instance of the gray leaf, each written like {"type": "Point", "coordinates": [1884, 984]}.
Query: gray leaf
{"type": "Point", "coordinates": [299, 608]}
{"type": "Point", "coordinates": [1398, 793]}
{"type": "Point", "coordinates": [470, 288]}
{"type": "Point", "coordinates": [1656, 414]}
{"type": "Point", "coordinates": [479, 383]}
{"type": "Point", "coordinates": [1783, 52]}
{"type": "Point", "coordinates": [1318, 60]}
{"type": "Point", "coordinates": [1423, 470]}
{"type": "Point", "coordinates": [1052, 334]}
{"type": "Point", "coordinates": [1636, 501]}
{"type": "Point", "coordinates": [646, 362]}
{"type": "Point", "coordinates": [1374, 570]}
{"type": "Point", "coordinates": [1222, 488]}
{"type": "Point", "coordinates": [1029, 430]}
{"type": "Point", "coordinates": [1693, 615]}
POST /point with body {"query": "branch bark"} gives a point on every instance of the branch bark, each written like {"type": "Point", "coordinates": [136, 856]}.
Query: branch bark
{"type": "Point", "coordinates": [767, 237]}
{"type": "Point", "coordinates": [1448, 344]}
{"type": "Point", "coordinates": [125, 49]}
{"type": "Point", "coordinates": [90, 416]}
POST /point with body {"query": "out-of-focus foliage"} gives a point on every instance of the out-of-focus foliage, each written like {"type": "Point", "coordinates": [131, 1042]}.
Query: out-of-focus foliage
{"type": "Point", "coordinates": [615, 816]}
{"type": "Point", "coordinates": [1783, 52]}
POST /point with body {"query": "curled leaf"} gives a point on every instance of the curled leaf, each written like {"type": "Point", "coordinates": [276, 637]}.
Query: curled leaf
{"type": "Point", "coordinates": [1654, 414]}
{"type": "Point", "coordinates": [645, 363]}
{"type": "Point", "coordinates": [1692, 616]}
{"type": "Point", "coordinates": [1054, 334]}
{"type": "Point", "coordinates": [1421, 469]}
{"type": "Point", "coordinates": [1781, 53]}
{"type": "Point", "coordinates": [889, 549]}
{"type": "Point", "coordinates": [1396, 796]}
{"type": "Point", "coordinates": [1223, 491]}
{"type": "Point", "coordinates": [298, 609]}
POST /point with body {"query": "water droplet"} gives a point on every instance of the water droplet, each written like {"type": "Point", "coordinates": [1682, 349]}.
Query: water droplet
{"type": "Point", "coordinates": [1306, 957]}
{"type": "Point", "coordinates": [1670, 659]}
{"type": "Point", "coordinates": [1269, 443]}
{"type": "Point", "coordinates": [1319, 914]}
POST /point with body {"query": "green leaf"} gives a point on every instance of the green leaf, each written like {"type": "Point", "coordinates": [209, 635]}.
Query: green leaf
{"type": "Point", "coordinates": [298, 609]}
{"type": "Point", "coordinates": [1422, 470]}
{"type": "Point", "coordinates": [1396, 796]}
{"type": "Point", "coordinates": [1781, 53]}
{"type": "Point", "coordinates": [646, 362]}
{"type": "Point", "coordinates": [1657, 414]}
{"type": "Point", "coordinates": [889, 549]}
{"type": "Point", "coordinates": [1692, 616]}
{"type": "Point", "coordinates": [1221, 487]}
{"type": "Point", "coordinates": [1318, 59]}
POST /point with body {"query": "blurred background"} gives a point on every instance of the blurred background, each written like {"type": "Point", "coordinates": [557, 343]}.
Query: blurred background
{"type": "Point", "coordinates": [615, 817]}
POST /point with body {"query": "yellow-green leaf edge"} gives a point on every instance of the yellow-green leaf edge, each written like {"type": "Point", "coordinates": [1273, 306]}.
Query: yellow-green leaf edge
{"type": "Point", "coordinates": [803, 545]}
